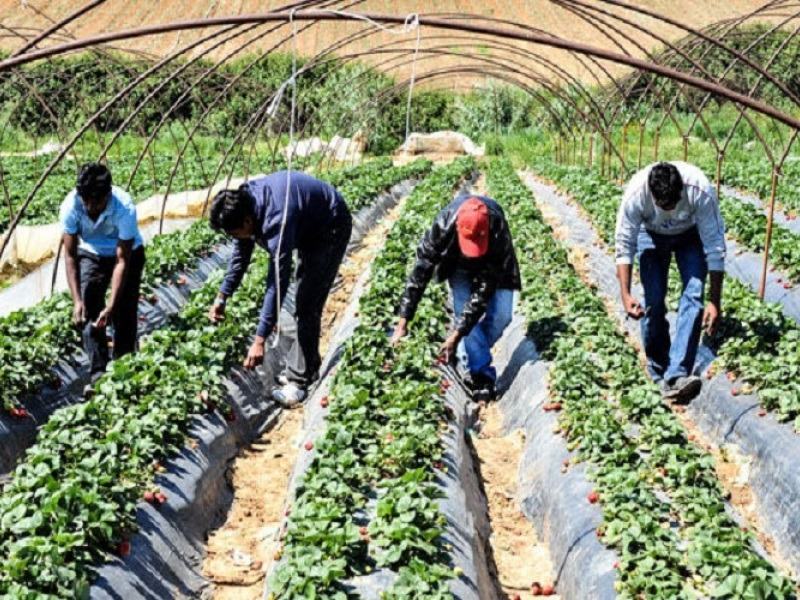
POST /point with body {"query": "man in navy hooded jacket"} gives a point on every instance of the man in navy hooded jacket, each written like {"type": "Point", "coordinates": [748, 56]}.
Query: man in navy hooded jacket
{"type": "Point", "coordinates": [284, 212]}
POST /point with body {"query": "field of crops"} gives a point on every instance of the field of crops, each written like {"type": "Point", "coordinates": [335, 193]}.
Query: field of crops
{"type": "Point", "coordinates": [178, 472]}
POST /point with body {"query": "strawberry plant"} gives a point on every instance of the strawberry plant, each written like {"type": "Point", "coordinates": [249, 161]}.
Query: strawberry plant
{"type": "Point", "coordinates": [756, 340]}
{"type": "Point", "coordinates": [663, 507]}
{"type": "Point", "coordinates": [381, 438]}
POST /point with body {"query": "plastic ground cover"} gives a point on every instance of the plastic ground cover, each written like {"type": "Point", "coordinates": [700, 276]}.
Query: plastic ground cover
{"type": "Point", "coordinates": [769, 446]}
{"type": "Point", "coordinates": [166, 553]}
{"type": "Point", "coordinates": [73, 372]}
{"type": "Point", "coordinates": [554, 501]}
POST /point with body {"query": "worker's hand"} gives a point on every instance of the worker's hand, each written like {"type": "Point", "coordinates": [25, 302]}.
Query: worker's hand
{"type": "Point", "coordinates": [255, 356]}
{"type": "Point", "coordinates": [79, 313]}
{"type": "Point", "coordinates": [711, 318]}
{"type": "Point", "coordinates": [447, 351]}
{"type": "Point", "coordinates": [632, 307]}
{"type": "Point", "coordinates": [217, 312]}
{"type": "Point", "coordinates": [103, 318]}
{"type": "Point", "coordinates": [400, 331]}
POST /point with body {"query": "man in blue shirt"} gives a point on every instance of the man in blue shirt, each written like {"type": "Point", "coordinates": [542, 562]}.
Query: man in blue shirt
{"type": "Point", "coordinates": [284, 212]}
{"type": "Point", "coordinates": [102, 246]}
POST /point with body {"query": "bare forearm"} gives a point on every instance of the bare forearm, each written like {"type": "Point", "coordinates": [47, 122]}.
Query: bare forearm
{"type": "Point", "coordinates": [624, 272]}
{"type": "Point", "coordinates": [72, 277]}
{"type": "Point", "coordinates": [715, 287]}
{"type": "Point", "coordinates": [117, 280]}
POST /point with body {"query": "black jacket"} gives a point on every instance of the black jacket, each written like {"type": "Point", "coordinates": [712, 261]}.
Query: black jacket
{"type": "Point", "coordinates": [438, 251]}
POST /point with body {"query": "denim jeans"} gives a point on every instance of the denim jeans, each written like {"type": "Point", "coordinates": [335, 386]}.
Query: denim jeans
{"type": "Point", "coordinates": [665, 360]}
{"type": "Point", "coordinates": [474, 351]}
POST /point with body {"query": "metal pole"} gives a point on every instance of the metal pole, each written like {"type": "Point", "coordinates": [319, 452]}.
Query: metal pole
{"type": "Point", "coordinates": [641, 143]}
{"type": "Point", "coordinates": [655, 147]}
{"type": "Point", "coordinates": [591, 150]}
{"type": "Point", "coordinates": [770, 216]}
{"type": "Point", "coordinates": [720, 158]}
{"type": "Point", "coordinates": [685, 148]}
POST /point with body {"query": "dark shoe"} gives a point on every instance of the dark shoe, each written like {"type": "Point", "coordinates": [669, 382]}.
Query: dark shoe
{"type": "Point", "coordinates": [483, 389]}
{"type": "Point", "coordinates": [683, 389]}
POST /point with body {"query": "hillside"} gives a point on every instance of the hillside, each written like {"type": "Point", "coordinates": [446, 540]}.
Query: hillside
{"type": "Point", "coordinates": [26, 17]}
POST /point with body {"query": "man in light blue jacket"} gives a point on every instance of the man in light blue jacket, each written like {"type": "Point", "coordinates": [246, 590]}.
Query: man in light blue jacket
{"type": "Point", "coordinates": [672, 208]}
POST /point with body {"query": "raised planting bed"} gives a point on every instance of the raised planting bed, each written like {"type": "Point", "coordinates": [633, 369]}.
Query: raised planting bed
{"type": "Point", "coordinates": [663, 509]}
{"type": "Point", "coordinates": [366, 514]}
{"type": "Point", "coordinates": [95, 460]}
{"type": "Point", "coordinates": [723, 415]}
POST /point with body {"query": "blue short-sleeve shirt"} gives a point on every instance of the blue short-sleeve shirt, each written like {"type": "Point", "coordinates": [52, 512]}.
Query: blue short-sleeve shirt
{"type": "Point", "coordinates": [117, 222]}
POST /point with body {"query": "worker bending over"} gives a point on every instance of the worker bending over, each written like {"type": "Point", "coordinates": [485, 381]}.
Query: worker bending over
{"type": "Point", "coordinates": [284, 212]}
{"type": "Point", "coordinates": [102, 246]}
{"type": "Point", "coordinates": [672, 208]}
{"type": "Point", "coordinates": [469, 245]}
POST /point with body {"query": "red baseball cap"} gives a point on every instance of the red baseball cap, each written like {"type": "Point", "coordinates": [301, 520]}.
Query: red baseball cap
{"type": "Point", "coordinates": [472, 225]}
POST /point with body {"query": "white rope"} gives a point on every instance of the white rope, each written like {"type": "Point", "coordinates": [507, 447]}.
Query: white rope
{"type": "Point", "coordinates": [277, 259]}
{"type": "Point", "coordinates": [410, 24]}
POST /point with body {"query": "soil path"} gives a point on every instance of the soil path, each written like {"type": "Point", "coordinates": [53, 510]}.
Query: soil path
{"type": "Point", "coordinates": [520, 558]}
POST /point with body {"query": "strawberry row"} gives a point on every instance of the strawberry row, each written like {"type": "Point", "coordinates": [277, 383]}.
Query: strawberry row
{"type": "Point", "coordinates": [663, 508]}
{"type": "Point", "coordinates": [72, 499]}
{"type": "Point", "coordinates": [748, 224]}
{"type": "Point", "coordinates": [47, 326]}
{"type": "Point", "coordinates": [757, 342]}
{"type": "Point", "coordinates": [381, 440]}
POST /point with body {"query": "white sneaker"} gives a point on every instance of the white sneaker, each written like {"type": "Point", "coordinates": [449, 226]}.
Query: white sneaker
{"type": "Point", "coordinates": [289, 395]}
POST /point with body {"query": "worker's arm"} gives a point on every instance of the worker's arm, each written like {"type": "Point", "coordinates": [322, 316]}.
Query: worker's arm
{"type": "Point", "coordinates": [73, 278]}
{"type": "Point", "coordinates": [629, 221]}
{"type": "Point", "coordinates": [237, 267]}
{"type": "Point", "coordinates": [124, 249]}
{"type": "Point", "coordinates": [711, 228]}
{"type": "Point", "coordinates": [429, 253]}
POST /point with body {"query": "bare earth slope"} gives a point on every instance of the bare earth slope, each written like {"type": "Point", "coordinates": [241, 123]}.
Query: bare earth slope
{"type": "Point", "coordinates": [23, 18]}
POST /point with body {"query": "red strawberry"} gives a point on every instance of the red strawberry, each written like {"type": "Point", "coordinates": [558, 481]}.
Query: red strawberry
{"type": "Point", "coordinates": [230, 417]}
{"type": "Point", "coordinates": [160, 497]}
{"type": "Point", "coordinates": [593, 497]}
{"type": "Point", "coordinates": [762, 412]}
{"type": "Point", "coordinates": [516, 597]}
{"type": "Point", "coordinates": [787, 285]}
{"type": "Point", "coordinates": [153, 299]}
{"type": "Point", "coordinates": [19, 413]}
{"type": "Point", "coordinates": [124, 548]}
{"type": "Point", "coordinates": [548, 590]}
{"type": "Point", "coordinates": [149, 496]}
{"type": "Point", "coordinates": [438, 465]}
{"type": "Point", "coordinates": [735, 392]}
{"type": "Point", "coordinates": [309, 446]}
{"type": "Point", "coordinates": [287, 512]}
{"type": "Point", "coordinates": [324, 402]}
{"type": "Point", "coordinates": [182, 280]}
{"type": "Point", "coordinates": [536, 588]}
{"type": "Point", "coordinates": [446, 383]}
{"type": "Point", "coordinates": [363, 531]}
{"type": "Point", "coordinates": [731, 376]}
{"type": "Point", "coordinates": [616, 565]}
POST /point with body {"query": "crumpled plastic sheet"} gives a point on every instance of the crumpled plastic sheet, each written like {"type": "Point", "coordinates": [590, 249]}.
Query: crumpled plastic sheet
{"type": "Point", "coordinates": [463, 505]}
{"type": "Point", "coordinates": [73, 371]}
{"type": "Point", "coordinates": [553, 501]}
{"type": "Point", "coordinates": [770, 447]}
{"type": "Point", "coordinates": [167, 551]}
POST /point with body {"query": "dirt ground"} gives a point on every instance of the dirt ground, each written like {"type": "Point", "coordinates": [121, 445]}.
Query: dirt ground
{"type": "Point", "coordinates": [519, 556]}
{"type": "Point", "coordinates": [239, 554]}
{"type": "Point", "coordinates": [24, 18]}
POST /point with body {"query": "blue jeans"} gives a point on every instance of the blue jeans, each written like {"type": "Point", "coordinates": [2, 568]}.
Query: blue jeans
{"type": "Point", "coordinates": [665, 361]}
{"type": "Point", "coordinates": [474, 351]}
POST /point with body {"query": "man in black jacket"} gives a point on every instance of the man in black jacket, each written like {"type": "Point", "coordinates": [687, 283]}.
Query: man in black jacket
{"type": "Point", "coordinates": [470, 246]}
